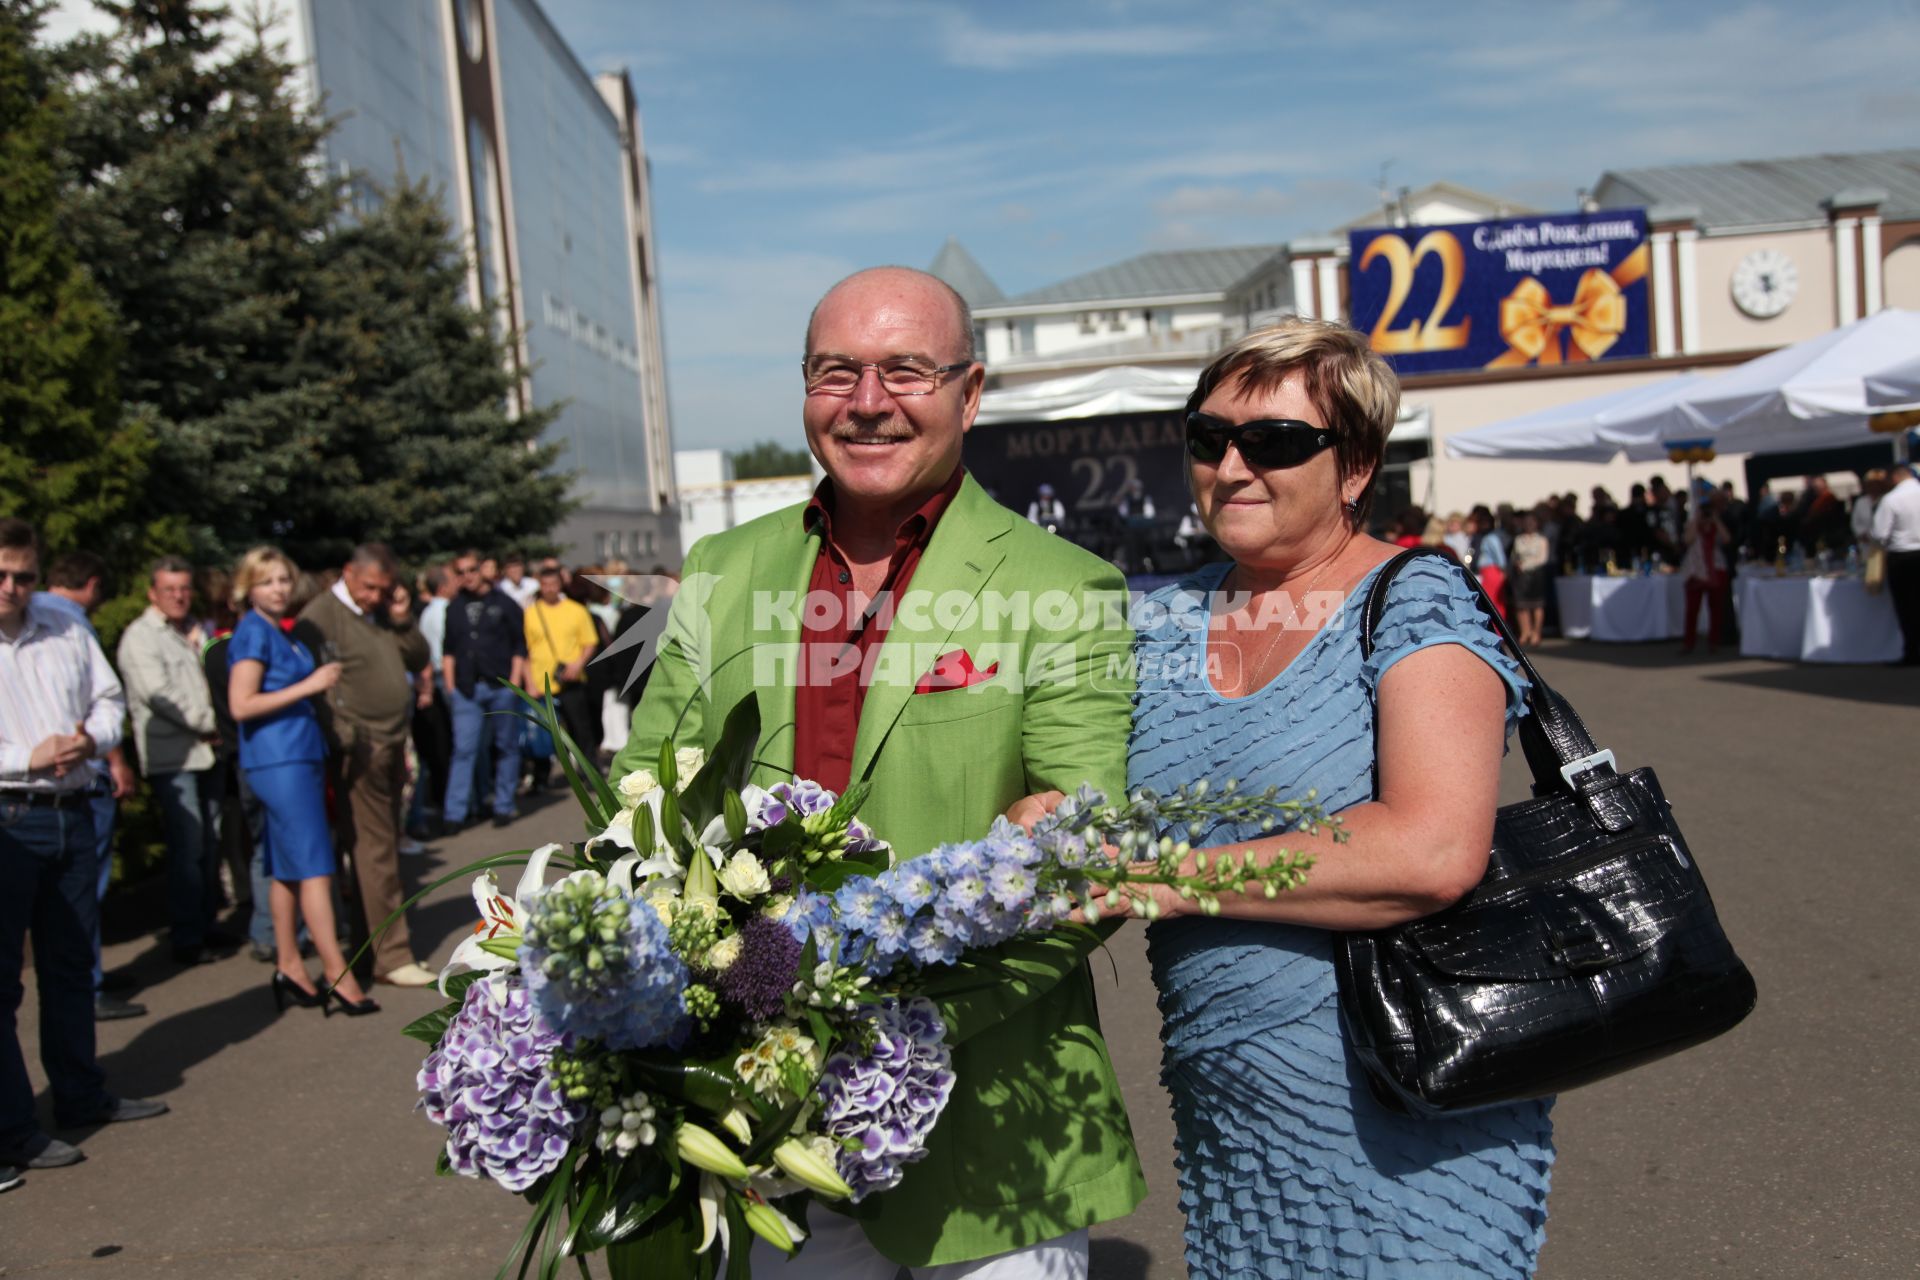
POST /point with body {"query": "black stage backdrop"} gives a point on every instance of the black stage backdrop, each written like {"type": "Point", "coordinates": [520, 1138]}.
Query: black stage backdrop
{"type": "Point", "coordinates": [1088, 461]}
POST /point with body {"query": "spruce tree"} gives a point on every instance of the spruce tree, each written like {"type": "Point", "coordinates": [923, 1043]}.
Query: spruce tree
{"type": "Point", "coordinates": [69, 462]}
{"type": "Point", "coordinates": [318, 381]}
{"type": "Point", "coordinates": [199, 205]}
{"type": "Point", "coordinates": [427, 455]}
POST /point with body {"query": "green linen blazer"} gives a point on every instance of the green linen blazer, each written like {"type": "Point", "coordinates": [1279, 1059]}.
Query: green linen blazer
{"type": "Point", "coordinates": [1035, 1141]}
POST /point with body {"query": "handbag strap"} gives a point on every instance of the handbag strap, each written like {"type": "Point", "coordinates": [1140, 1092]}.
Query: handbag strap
{"type": "Point", "coordinates": [1560, 751]}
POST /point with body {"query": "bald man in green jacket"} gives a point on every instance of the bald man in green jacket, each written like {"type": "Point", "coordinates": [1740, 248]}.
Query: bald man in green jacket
{"type": "Point", "coordinates": [993, 671]}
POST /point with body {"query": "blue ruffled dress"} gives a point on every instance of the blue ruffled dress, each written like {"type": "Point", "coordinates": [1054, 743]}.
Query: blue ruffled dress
{"type": "Point", "coordinates": [1288, 1167]}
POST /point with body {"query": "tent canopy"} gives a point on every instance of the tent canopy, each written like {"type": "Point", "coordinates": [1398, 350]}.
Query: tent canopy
{"type": "Point", "coordinates": [1898, 387]}
{"type": "Point", "coordinates": [1580, 431]}
{"type": "Point", "coordinates": [1124, 389]}
{"type": "Point", "coordinates": [1128, 389]}
{"type": "Point", "coordinates": [1810, 395]}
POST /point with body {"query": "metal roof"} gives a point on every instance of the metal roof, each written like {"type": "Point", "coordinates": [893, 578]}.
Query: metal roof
{"type": "Point", "coordinates": [1149, 275]}
{"type": "Point", "coordinates": [968, 278]}
{"type": "Point", "coordinates": [1768, 192]}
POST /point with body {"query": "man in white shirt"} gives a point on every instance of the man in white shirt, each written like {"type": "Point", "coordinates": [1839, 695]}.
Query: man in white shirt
{"type": "Point", "coordinates": [515, 582]}
{"type": "Point", "coordinates": [61, 707]}
{"type": "Point", "coordinates": [1896, 527]}
{"type": "Point", "coordinates": [76, 586]}
{"type": "Point", "coordinates": [175, 730]}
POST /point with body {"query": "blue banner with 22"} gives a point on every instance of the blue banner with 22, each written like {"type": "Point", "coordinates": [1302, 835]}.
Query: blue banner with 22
{"type": "Point", "coordinates": [1542, 289]}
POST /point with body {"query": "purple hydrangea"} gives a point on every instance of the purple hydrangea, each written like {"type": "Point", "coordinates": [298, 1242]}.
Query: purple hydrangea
{"type": "Point", "coordinates": [887, 1100]}
{"type": "Point", "coordinates": [487, 1082]}
{"type": "Point", "coordinates": [628, 994]}
{"type": "Point", "coordinates": [805, 798]}
{"type": "Point", "coordinates": [759, 979]}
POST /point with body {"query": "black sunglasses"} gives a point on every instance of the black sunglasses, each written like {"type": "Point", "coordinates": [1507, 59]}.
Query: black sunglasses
{"type": "Point", "coordinates": [1265, 442]}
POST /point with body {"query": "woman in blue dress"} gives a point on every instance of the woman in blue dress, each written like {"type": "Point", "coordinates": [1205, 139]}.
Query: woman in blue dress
{"type": "Point", "coordinates": [271, 680]}
{"type": "Point", "coordinates": [1252, 670]}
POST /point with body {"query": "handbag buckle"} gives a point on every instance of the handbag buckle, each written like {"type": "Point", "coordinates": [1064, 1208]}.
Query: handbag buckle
{"type": "Point", "coordinates": [1586, 764]}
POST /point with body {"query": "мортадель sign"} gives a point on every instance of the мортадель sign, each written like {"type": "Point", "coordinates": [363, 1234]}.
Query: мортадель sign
{"type": "Point", "coordinates": [1543, 289]}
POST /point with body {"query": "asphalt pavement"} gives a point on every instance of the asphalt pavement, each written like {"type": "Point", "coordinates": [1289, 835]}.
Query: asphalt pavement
{"type": "Point", "coordinates": [1787, 1148]}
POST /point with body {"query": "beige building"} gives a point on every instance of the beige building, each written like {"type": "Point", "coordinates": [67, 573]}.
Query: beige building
{"type": "Point", "coordinates": [1743, 258]}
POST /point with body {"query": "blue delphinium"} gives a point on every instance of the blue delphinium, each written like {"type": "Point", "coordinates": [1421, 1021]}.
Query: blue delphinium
{"type": "Point", "coordinates": [598, 966]}
{"type": "Point", "coordinates": [487, 1082]}
{"type": "Point", "coordinates": [887, 1100]}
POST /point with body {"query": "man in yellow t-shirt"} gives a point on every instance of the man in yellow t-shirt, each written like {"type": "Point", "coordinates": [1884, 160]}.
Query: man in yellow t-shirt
{"type": "Point", "coordinates": [561, 638]}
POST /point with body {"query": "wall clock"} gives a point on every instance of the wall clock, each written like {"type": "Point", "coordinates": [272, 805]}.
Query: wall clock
{"type": "Point", "coordinates": [1764, 283]}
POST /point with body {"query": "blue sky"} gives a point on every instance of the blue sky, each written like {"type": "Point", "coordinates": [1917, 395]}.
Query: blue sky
{"type": "Point", "coordinates": [793, 143]}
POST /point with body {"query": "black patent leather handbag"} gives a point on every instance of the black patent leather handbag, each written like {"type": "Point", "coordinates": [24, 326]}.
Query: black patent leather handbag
{"type": "Point", "coordinates": [1591, 945]}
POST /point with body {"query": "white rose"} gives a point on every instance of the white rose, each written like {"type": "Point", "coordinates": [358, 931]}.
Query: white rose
{"type": "Point", "coordinates": [723, 953]}
{"type": "Point", "coordinates": [687, 761]}
{"type": "Point", "coordinates": [636, 785]}
{"type": "Point", "coordinates": [744, 877]}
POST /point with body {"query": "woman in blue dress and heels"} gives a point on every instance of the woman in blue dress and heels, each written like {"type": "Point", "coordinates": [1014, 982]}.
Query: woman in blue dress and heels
{"type": "Point", "coordinates": [1253, 670]}
{"type": "Point", "coordinates": [271, 680]}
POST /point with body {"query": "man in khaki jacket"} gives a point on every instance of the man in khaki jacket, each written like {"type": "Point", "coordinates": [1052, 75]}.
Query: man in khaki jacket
{"type": "Point", "coordinates": [383, 661]}
{"type": "Point", "coordinates": [173, 734]}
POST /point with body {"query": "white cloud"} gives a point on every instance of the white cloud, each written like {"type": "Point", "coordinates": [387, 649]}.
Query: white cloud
{"type": "Point", "coordinates": [1225, 202]}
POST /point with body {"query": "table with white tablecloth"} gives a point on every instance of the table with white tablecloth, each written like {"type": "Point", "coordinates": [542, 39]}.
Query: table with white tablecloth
{"type": "Point", "coordinates": [1804, 619]}
{"type": "Point", "coordinates": [1621, 609]}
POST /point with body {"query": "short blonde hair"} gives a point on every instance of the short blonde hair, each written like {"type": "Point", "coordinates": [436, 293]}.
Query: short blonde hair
{"type": "Point", "coordinates": [252, 570]}
{"type": "Point", "coordinates": [1356, 391]}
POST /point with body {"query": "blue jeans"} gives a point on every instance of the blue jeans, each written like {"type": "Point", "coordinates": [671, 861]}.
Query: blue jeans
{"type": "Point", "coordinates": [471, 721]}
{"type": "Point", "coordinates": [106, 810]}
{"type": "Point", "coordinates": [48, 887]}
{"type": "Point", "coordinates": [190, 809]}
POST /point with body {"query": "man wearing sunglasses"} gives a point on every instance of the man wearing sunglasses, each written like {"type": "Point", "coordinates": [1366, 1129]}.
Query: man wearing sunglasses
{"type": "Point", "coordinates": [61, 706]}
{"type": "Point", "coordinates": [900, 672]}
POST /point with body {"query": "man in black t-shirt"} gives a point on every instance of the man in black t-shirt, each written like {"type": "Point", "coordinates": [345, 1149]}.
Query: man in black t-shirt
{"type": "Point", "coordinates": [485, 644]}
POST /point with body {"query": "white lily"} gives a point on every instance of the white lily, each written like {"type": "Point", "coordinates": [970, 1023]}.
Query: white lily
{"type": "Point", "coordinates": [501, 919]}
{"type": "Point", "coordinates": [713, 1212]}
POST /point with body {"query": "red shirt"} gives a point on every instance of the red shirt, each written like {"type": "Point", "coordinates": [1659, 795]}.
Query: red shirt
{"type": "Point", "coordinates": [838, 637]}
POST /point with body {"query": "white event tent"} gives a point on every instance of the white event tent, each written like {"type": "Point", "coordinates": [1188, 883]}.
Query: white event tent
{"type": "Point", "coordinates": [1811, 395]}
{"type": "Point", "coordinates": [1127, 389]}
{"type": "Point", "coordinates": [1820, 393]}
{"type": "Point", "coordinates": [1896, 388]}
{"type": "Point", "coordinates": [1582, 431]}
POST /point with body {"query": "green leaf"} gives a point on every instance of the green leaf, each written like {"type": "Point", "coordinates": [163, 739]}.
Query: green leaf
{"type": "Point", "coordinates": [701, 1085]}
{"type": "Point", "coordinates": [430, 1027]}
{"type": "Point", "coordinates": [735, 811]}
{"type": "Point", "coordinates": [778, 1129]}
{"type": "Point", "coordinates": [740, 1238]}
{"type": "Point", "coordinates": [728, 768]}
{"type": "Point", "coordinates": [636, 1202]}
{"type": "Point", "coordinates": [665, 1250]}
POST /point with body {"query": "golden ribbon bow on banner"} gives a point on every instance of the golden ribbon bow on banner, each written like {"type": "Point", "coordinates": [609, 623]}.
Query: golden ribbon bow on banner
{"type": "Point", "coordinates": [1531, 322]}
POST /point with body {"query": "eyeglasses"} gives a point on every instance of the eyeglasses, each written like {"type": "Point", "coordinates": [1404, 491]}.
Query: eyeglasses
{"type": "Point", "coordinates": [904, 376]}
{"type": "Point", "coordinates": [20, 577]}
{"type": "Point", "coordinates": [1265, 442]}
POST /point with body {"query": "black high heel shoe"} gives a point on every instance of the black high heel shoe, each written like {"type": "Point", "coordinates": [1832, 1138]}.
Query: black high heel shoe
{"type": "Point", "coordinates": [285, 989]}
{"type": "Point", "coordinates": [352, 1008]}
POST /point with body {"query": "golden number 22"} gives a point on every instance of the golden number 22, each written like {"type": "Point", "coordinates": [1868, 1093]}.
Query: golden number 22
{"type": "Point", "coordinates": [1402, 262]}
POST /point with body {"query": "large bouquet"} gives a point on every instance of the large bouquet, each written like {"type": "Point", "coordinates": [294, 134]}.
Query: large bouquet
{"type": "Point", "coordinates": [729, 1006]}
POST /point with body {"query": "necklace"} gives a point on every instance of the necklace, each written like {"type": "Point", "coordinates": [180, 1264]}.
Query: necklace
{"type": "Point", "coordinates": [1293, 616]}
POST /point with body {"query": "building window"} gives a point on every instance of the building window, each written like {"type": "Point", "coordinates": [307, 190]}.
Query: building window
{"type": "Point", "coordinates": [1087, 322]}
{"type": "Point", "coordinates": [1116, 322]}
{"type": "Point", "coordinates": [600, 546]}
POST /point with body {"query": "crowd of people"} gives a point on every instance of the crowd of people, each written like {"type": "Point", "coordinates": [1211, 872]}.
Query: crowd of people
{"type": "Point", "coordinates": [1518, 553]}
{"type": "Point", "coordinates": [300, 733]}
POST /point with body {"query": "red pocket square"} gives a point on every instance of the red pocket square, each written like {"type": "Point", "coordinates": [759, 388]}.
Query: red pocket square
{"type": "Point", "coordinates": [953, 671]}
